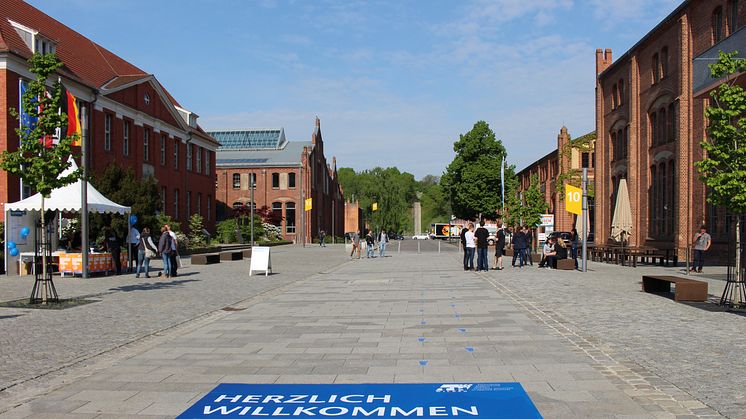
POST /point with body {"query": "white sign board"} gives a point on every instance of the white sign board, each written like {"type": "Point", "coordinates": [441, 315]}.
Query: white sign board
{"type": "Point", "coordinates": [547, 219]}
{"type": "Point", "coordinates": [260, 260]}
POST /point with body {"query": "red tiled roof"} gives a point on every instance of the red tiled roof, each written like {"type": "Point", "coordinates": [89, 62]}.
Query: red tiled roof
{"type": "Point", "coordinates": [87, 61]}
{"type": "Point", "coordinates": [122, 80]}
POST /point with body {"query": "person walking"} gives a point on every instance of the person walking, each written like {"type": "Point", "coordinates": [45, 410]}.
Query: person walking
{"type": "Point", "coordinates": [463, 246]}
{"type": "Point", "coordinates": [355, 238]}
{"type": "Point", "coordinates": [370, 243]}
{"type": "Point", "coordinates": [322, 236]}
{"type": "Point", "coordinates": [471, 246]}
{"type": "Point", "coordinates": [499, 246]}
{"type": "Point", "coordinates": [482, 235]}
{"type": "Point", "coordinates": [529, 236]}
{"type": "Point", "coordinates": [133, 239]}
{"type": "Point", "coordinates": [164, 248]}
{"type": "Point", "coordinates": [146, 250]}
{"type": "Point", "coordinates": [174, 255]}
{"type": "Point", "coordinates": [519, 244]}
{"type": "Point", "coordinates": [702, 243]}
{"type": "Point", "coordinates": [574, 246]}
{"type": "Point", "coordinates": [382, 240]}
{"type": "Point", "coordinates": [112, 246]}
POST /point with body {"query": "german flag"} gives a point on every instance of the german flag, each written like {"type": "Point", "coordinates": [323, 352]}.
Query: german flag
{"type": "Point", "coordinates": [70, 108]}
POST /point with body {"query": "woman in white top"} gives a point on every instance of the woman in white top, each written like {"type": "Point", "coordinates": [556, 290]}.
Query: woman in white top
{"type": "Point", "coordinates": [471, 246]}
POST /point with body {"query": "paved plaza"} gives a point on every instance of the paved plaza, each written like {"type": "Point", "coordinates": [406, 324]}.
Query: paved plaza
{"type": "Point", "coordinates": [582, 345]}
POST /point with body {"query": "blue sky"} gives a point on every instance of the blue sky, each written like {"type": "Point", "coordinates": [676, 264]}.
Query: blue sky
{"type": "Point", "coordinates": [394, 82]}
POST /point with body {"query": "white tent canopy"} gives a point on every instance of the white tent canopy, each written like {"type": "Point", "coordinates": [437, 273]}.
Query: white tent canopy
{"type": "Point", "coordinates": [67, 198]}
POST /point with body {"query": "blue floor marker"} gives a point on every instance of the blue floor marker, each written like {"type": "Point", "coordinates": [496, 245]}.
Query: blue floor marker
{"type": "Point", "coordinates": [420, 339]}
{"type": "Point", "coordinates": [469, 349]}
{"type": "Point", "coordinates": [423, 322]}
{"type": "Point", "coordinates": [423, 363]}
{"type": "Point", "coordinates": [462, 330]}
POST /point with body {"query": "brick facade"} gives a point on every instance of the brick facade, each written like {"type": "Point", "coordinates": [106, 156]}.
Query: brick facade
{"type": "Point", "coordinates": [650, 125]}
{"type": "Point", "coordinates": [549, 168]}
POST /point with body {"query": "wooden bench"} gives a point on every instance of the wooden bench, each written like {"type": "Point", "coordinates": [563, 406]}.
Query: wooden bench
{"type": "Point", "coordinates": [566, 264]}
{"type": "Point", "coordinates": [247, 253]}
{"type": "Point", "coordinates": [686, 289]}
{"type": "Point", "coordinates": [206, 259]}
{"type": "Point", "coordinates": [231, 255]}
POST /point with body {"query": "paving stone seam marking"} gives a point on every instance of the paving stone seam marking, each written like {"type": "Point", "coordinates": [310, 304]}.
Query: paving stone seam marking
{"type": "Point", "coordinates": [61, 375]}
{"type": "Point", "coordinates": [634, 385]}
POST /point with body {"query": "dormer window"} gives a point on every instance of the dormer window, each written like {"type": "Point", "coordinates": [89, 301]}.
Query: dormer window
{"type": "Point", "coordinates": [33, 40]}
{"type": "Point", "coordinates": [147, 98]}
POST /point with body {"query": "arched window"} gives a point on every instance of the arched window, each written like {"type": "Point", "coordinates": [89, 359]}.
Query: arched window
{"type": "Point", "coordinates": [614, 145]}
{"type": "Point", "coordinates": [290, 217]}
{"type": "Point", "coordinates": [671, 124]}
{"type": "Point", "coordinates": [732, 16]}
{"type": "Point", "coordinates": [653, 202]}
{"type": "Point", "coordinates": [653, 129]}
{"type": "Point", "coordinates": [236, 181]}
{"type": "Point", "coordinates": [621, 93]}
{"type": "Point", "coordinates": [656, 68]}
{"type": "Point", "coordinates": [620, 138]}
{"type": "Point", "coordinates": [614, 94]}
{"type": "Point", "coordinates": [663, 200]}
{"type": "Point", "coordinates": [664, 62]}
{"type": "Point", "coordinates": [662, 122]}
{"type": "Point", "coordinates": [717, 25]}
{"type": "Point", "coordinates": [277, 213]}
{"type": "Point", "coordinates": [671, 198]}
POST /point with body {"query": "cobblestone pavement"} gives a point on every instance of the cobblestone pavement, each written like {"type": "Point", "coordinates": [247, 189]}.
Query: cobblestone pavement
{"type": "Point", "coordinates": [34, 342]}
{"type": "Point", "coordinates": [570, 339]}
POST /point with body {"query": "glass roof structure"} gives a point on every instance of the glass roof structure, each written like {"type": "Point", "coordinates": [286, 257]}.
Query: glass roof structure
{"type": "Point", "coordinates": [241, 161]}
{"type": "Point", "coordinates": [267, 139]}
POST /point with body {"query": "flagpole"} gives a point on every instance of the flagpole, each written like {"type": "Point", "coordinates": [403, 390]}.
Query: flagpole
{"type": "Point", "coordinates": [84, 193]}
{"type": "Point", "coordinates": [502, 181]}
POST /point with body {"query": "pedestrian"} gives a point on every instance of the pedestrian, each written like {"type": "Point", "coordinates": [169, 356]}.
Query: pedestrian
{"type": "Point", "coordinates": [482, 235]}
{"type": "Point", "coordinates": [574, 246]}
{"type": "Point", "coordinates": [499, 246]}
{"type": "Point", "coordinates": [382, 240]}
{"type": "Point", "coordinates": [322, 236]}
{"type": "Point", "coordinates": [463, 246]}
{"type": "Point", "coordinates": [549, 254]}
{"type": "Point", "coordinates": [528, 234]}
{"type": "Point", "coordinates": [560, 247]}
{"type": "Point", "coordinates": [174, 255]}
{"type": "Point", "coordinates": [519, 246]}
{"type": "Point", "coordinates": [164, 248]}
{"type": "Point", "coordinates": [370, 244]}
{"type": "Point", "coordinates": [146, 250]}
{"type": "Point", "coordinates": [355, 238]}
{"type": "Point", "coordinates": [702, 243]}
{"type": "Point", "coordinates": [133, 239]}
{"type": "Point", "coordinates": [471, 246]}
{"type": "Point", "coordinates": [112, 246]}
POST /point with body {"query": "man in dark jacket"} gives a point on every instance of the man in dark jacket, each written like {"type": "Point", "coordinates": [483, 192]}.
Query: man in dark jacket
{"type": "Point", "coordinates": [112, 246]}
{"type": "Point", "coordinates": [164, 248]}
{"type": "Point", "coordinates": [463, 247]}
{"type": "Point", "coordinates": [482, 235]}
{"type": "Point", "coordinates": [519, 246]}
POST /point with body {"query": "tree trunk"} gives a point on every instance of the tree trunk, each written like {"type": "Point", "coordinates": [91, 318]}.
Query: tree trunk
{"type": "Point", "coordinates": [739, 276]}
{"type": "Point", "coordinates": [43, 254]}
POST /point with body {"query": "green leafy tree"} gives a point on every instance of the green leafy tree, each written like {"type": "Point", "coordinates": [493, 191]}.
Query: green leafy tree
{"type": "Point", "coordinates": [534, 203]}
{"type": "Point", "coordinates": [39, 161]}
{"type": "Point", "coordinates": [196, 234]}
{"type": "Point", "coordinates": [434, 202]}
{"type": "Point", "coordinates": [723, 167]}
{"type": "Point", "coordinates": [513, 204]}
{"type": "Point", "coordinates": [472, 180]}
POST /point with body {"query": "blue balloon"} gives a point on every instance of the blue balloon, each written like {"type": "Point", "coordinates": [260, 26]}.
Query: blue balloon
{"type": "Point", "coordinates": [25, 232]}
{"type": "Point", "coordinates": [11, 245]}
{"type": "Point", "coordinates": [133, 219]}
{"type": "Point", "coordinates": [14, 252]}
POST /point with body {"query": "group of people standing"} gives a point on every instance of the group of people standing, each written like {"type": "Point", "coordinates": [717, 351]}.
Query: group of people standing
{"type": "Point", "coordinates": [167, 248]}
{"type": "Point", "coordinates": [372, 242]}
{"type": "Point", "coordinates": [477, 242]}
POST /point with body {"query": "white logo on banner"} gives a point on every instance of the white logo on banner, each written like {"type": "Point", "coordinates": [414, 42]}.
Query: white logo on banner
{"type": "Point", "coordinates": [453, 388]}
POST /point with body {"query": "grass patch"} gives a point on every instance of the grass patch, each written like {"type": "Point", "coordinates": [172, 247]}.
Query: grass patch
{"type": "Point", "coordinates": [59, 305]}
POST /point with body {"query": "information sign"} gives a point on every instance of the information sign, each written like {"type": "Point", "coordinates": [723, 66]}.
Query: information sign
{"type": "Point", "coordinates": [463, 400]}
{"type": "Point", "coordinates": [547, 220]}
{"type": "Point", "coordinates": [573, 199]}
{"type": "Point", "coordinates": [308, 206]}
{"type": "Point", "coordinates": [261, 260]}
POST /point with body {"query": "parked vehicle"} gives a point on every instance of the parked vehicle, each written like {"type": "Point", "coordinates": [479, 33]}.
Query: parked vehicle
{"type": "Point", "coordinates": [421, 236]}
{"type": "Point", "coordinates": [565, 235]}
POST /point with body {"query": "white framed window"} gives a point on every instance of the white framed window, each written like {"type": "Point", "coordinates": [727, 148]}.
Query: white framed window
{"type": "Point", "coordinates": [176, 153]}
{"type": "Point", "coordinates": [176, 204]}
{"type": "Point", "coordinates": [107, 132]}
{"type": "Point", "coordinates": [199, 203]}
{"type": "Point", "coordinates": [236, 181]}
{"type": "Point", "coordinates": [209, 207]}
{"type": "Point", "coordinates": [146, 144]}
{"type": "Point", "coordinates": [189, 157]}
{"type": "Point", "coordinates": [126, 138]}
{"type": "Point", "coordinates": [199, 159]}
{"type": "Point", "coordinates": [163, 200]}
{"type": "Point", "coordinates": [163, 149]}
{"type": "Point", "coordinates": [208, 157]}
{"type": "Point", "coordinates": [188, 204]}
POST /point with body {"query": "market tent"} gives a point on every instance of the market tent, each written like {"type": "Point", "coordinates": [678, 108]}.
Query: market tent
{"type": "Point", "coordinates": [621, 222]}
{"type": "Point", "coordinates": [67, 198]}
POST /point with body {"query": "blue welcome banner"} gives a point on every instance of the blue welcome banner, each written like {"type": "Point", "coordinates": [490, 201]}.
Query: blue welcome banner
{"type": "Point", "coordinates": [463, 400]}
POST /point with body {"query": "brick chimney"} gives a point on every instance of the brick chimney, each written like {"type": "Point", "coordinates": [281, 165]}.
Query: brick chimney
{"type": "Point", "coordinates": [603, 60]}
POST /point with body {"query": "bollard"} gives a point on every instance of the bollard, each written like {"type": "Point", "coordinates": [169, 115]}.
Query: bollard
{"type": "Point", "coordinates": [418, 246]}
{"type": "Point", "coordinates": [438, 246]}
{"type": "Point", "coordinates": [398, 250]}
{"type": "Point", "coordinates": [687, 260]}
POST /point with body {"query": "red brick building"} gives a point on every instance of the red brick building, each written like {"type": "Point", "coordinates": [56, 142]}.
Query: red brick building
{"type": "Point", "coordinates": [568, 158]}
{"type": "Point", "coordinates": [133, 121]}
{"type": "Point", "coordinates": [285, 173]}
{"type": "Point", "coordinates": [650, 106]}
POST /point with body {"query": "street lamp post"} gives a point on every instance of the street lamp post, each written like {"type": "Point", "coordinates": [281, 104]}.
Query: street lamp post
{"type": "Point", "coordinates": [252, 184]}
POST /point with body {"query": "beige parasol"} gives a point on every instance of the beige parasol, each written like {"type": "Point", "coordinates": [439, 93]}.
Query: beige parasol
{"type": "Point", "coordinates": [621, 223]}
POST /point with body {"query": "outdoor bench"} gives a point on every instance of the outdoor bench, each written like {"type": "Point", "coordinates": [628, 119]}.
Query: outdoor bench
{"type": "Point", "coordinates": [566, 264]}
{"type": "Point", "coordinates": [205, 259]}
{"type": "Point", "coordinates": [685, 290]}
{"type": "Point", "coordinates": [231, 255]}
{"type": "Point", "coordinates": [247, 253]}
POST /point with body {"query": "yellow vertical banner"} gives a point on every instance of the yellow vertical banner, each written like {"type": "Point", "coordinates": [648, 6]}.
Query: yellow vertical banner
{"type": "Point", "coordinates": [309, 204]}
{"type": "Point", "coordinates": [573, 199]}
{"type": "Point", "coordinates": [375, 206]}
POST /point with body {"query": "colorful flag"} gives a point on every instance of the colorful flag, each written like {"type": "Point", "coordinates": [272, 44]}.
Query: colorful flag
{"type": "Point", "coordinates": [70, 108]}
{"type": "Point", "coordinates": [28, 121]}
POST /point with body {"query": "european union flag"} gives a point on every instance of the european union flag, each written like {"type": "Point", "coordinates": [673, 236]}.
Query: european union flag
{"type": "Point", "coordinates": [28, 121]}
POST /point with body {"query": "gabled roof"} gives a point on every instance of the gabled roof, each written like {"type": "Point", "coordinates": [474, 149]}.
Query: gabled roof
{"type": "Point", "coordinates": [289, 155]}
{"type": "Point", "coordinates": [253, 139]}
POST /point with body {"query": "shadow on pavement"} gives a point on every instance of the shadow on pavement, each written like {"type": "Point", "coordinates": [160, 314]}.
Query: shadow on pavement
{"type": "Point", "coordinates": [152, 285]}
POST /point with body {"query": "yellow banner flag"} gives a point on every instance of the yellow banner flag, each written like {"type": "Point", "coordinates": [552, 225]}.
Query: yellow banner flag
{"type": "Point", "coordinates": [375, 206]}
{"type": "Point", "coordinates": [573, 199]}
{"type": "Point", "coordinates": [309, 204]}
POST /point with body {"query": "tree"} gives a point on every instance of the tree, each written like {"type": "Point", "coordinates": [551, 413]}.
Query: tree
{"type": "Point", "coordinates": [534, 203]}
{"type": "Point", "coordinates": [723, 167]}
{"type": "Point", "coordinates": [40, 159]}
{"type": "Point", "coordinates": [513, 203]}
{"type": "Point", "coordinates": [568, 175]}
{"type": "Point", "coordinates": [472, 180]}
{"type": "Point", "coordinates": [196, 233]}
{"type": "Point", "coordinates": [434, 202]}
